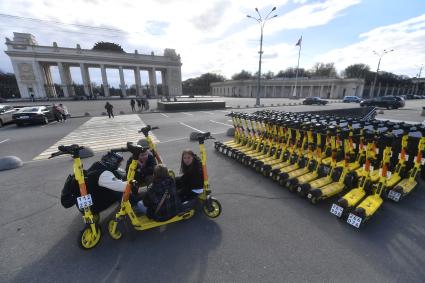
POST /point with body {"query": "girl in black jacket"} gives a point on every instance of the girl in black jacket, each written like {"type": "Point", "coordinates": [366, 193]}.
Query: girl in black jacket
{"type": "Point", "coordinates": [160, 200]}
{"type": "Point", "coordinates": [192, 178]}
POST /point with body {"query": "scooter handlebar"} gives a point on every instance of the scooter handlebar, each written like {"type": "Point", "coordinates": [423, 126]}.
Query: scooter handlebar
{"type": "Point", "coordinates": [55, 154]}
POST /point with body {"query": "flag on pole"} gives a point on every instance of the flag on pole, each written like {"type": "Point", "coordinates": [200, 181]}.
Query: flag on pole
{"type": "Point", "coordinates": [299, 41]}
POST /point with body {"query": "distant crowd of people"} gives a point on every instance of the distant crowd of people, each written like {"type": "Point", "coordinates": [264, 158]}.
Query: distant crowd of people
{"type": "Point", "coordinates": [142, 104]}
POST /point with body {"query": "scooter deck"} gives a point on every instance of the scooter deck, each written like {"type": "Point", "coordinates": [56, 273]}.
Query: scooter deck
{"type": "Point", "coordinates": [354, 196]}
{"type": "Point", "coordinates": [331, 189]}
{"type": "Point", "coordinates": [290, 168]}
{"type": "Point", "coordinates": [306, 178]}
{"type": "Point", "coordinates": [407, 185]}
{"type": "Point", "coordinates": [318, 183]}
{"type": "Point", "coordinates": [298, 172]}
{"type": "Point", "coordinates": [371, 204]}
{"type": "Point", "coordinates": [393, 180]}
{"type": "Point", "coordinates": [144, 223]}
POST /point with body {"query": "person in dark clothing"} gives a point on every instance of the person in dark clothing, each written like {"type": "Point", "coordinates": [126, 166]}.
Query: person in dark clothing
{"type": "Point", "coordinates": [132, 103]}
{"type": "Point", "coordinates": [160, 202]}
{"type": "Point", "coordinates": [139, 104]}
{"type": "Point", "coordinates": [103, 182]}
{"type": "Point", "coordinates": [191, 182]}
{"type": "Point", "coordinates": [145, 167]}
{"type": "Point", "coordinates": [109, 109]}
{"type": "Point", "coordinates": [143, 103]}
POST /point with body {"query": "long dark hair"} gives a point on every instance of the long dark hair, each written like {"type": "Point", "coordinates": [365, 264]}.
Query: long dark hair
{"type": "Point", "coordinates": [185, 168]}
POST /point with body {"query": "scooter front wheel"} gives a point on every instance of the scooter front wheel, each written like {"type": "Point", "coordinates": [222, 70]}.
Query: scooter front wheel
{"type": "Point", "coordinates": [113, 230]}
{"type": "Point", "coordinates": [87, 239]}
{"type": "Point", "coordinates": [212, 208]}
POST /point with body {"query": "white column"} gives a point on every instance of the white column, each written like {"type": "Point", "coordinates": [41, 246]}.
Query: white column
{"type": "Point", "coordinates": [69, 79]}
{"type": "Point", "coordinates": [310, 93]}
{"type": "Point", "coordinates": [39, 87]}
{"type": "Point", "coordinates": [50, 86]}
{"type": "Point", "coordinates": [301, 91]}
{"type": "Point", "coordinates": [64, 82]}
{"type": "Point", "coordinates": [104, 80]}
{"type": "Point", "coordinates": [152, 82]}
{"type": "Point", "coordinates": [138, 82]}
{"type": "Point", "coordinates": [86, 78]}
{"type": "Point", "coordinates": [321, 91]}
{"type": "Point", "coordinates": [165, 83]}
{"type": "Point", "coordinates": [122, 82]}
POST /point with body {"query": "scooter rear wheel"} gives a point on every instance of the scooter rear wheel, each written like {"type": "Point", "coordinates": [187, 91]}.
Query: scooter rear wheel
{"type": "Point", "coordinates": [212, 209]}
{"type": "Point", "coordinates": [87, 240]}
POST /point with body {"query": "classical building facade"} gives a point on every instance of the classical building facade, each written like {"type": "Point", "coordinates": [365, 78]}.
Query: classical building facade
{"type": "Point", "coordinates": [31, 64]}
{"type": "Point", "coordinates": [323, 87]}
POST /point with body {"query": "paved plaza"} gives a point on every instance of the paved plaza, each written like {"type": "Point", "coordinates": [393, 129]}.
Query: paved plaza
{"type": "Point", "coordinates": [265, 233]}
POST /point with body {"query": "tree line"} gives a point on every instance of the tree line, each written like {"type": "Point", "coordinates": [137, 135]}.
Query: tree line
{"type": "Point", "coordinates": [200, 85]}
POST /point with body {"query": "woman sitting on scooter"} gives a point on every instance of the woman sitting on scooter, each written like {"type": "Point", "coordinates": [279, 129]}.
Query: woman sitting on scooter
{"type": "Point", "coordinates": [191, 183]}
{"type": "Point", "coordinates": [160, 201]}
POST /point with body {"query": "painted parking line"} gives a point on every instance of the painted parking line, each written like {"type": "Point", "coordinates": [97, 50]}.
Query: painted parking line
{"type": "Point", "coordinates": [221, 123]}
{"type": "Point", "coordinates": [102, 133]}
{"type": "Point", "coordinates": [193, 128]}
{"type": "Point", "coordinates": [188, 114]}
{"type": "Point", "coordinates": [4, 140]}
{"type": "Point", "coordinates": [164, 115]}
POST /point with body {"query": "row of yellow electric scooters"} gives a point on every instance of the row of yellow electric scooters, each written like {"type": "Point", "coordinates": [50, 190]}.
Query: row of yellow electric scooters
{"type": "Point", "coordinates": [322, 156]}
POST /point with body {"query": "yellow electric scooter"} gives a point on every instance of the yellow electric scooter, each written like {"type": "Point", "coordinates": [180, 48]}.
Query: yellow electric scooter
{"type": "Point", "coordinates": [210, 206]}
{"type": "Point", "coordinates": [368, 207]}
{"type": "Point", "coordinates": [331, 173]}
{"type": "Point", "coordinates": [406, 186]}
{"type": "Point", "coordinates": [349, 201]}
{"type": "Point", "coordinates": [91, 234]}
{"type": "Point", "coordinates": [296, 177]}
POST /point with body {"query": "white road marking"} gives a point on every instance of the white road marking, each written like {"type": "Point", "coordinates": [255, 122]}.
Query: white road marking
{"type": "Point", "coordinates": [181, 123]}
{"type": "Point", "coordinates": [397, 121]}
{"type": "Point", "coordinates": [209, 113]}
{"type": "Point", "coordinates": [221, 123]}
{"type": "Point", "coordinates": [102, 133]}
{"type": "Point", "coordinates": [5, 140]}
{"type": "Point", "coordinates": [224, 111]}
{"type": "Point", "coordinates": [164, 115]}
{"type": "Point", "coordinates": [187, 113]}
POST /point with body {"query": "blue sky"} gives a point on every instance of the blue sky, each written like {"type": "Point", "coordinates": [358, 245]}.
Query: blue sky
{"type": "Point", "coordinates": [216, 36]}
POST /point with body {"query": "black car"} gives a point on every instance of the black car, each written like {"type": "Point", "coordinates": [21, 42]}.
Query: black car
{"type": "Point", "coordinates": [389, 102]}
{"type": "Point", "coordinates": [33, 115]}
{"type": "Point", "coordinates": [314, 100]}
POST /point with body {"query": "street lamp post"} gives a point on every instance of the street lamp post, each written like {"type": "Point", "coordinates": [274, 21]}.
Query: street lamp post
{"type": "Point", "coordinates": [262, 22]}
{"type": "Point", "coordinates": [380, 55]}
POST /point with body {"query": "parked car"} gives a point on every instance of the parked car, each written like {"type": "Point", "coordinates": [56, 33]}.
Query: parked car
{"type": "Point", "coordinates": [348, 99]}
{"type": "Point", "coordinates": [314, 100]}
{"type": "Point", "coordinates": [34, 115]}
{"type": "Point", "coordinates": [389, 102]}
{"type": "Point", "coordinates": [6, 113]}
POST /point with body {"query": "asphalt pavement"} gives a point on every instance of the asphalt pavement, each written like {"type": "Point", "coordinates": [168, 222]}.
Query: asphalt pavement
{"type": "Point", "coordinates": [265, 233]}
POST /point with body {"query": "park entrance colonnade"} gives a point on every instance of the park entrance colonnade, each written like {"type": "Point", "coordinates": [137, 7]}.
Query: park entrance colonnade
{"type": "Point", "coordinates": [31, 64]}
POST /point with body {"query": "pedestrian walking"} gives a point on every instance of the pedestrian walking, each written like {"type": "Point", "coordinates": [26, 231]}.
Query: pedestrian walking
{"type": "Point", "coordinates": [109, 109]}
{"type": "Point", "coordinates": [132, 103]}
{"type": "Point", "coordinates": [147, 105]}
{"type": "Point", "coordinates": [143, 103]}
{"type": "Point", "coordinates": [139, 104]}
